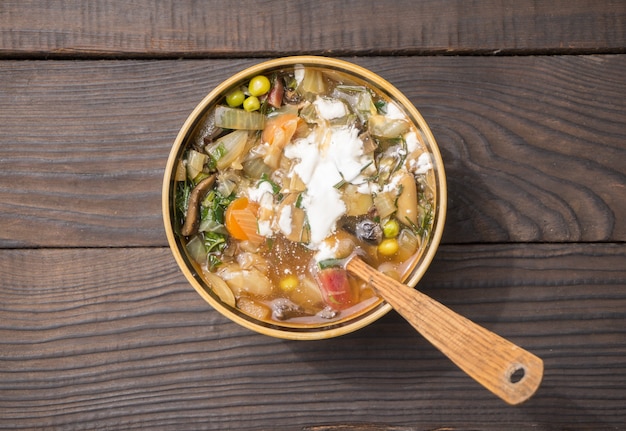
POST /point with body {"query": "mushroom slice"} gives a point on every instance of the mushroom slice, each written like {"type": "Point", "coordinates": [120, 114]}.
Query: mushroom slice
{"type": "Point", "coordinates": [192, 218]}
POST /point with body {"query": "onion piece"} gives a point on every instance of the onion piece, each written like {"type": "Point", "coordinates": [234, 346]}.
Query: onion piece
{"type": "Point", "coordinates": [384, 127]}
{"type": "Point", "coordinates": [251, 281]}
{"type": "Point", "coordinates": [356, 203]}
{"type": "Point", "coordinates": [195, 163]}
{"type": "Point", "coordinates": [227, 149]}
{"type": "Point", "coordinates": [408, 243]}
{"type": "Point", "coordinates": [313, 81]}
{"type": "Point", "coordinates": [220, 288]}
{"type": "Point", "coordinates": [181, 172]}
{"type": "Point", "coordinates": [255, 168]}
{"type": "Point", "coordinates": [197, 251]}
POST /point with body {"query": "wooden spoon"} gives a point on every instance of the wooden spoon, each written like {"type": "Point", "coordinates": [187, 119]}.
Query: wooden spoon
{"type": "Point", "coordinates": [505, 369]}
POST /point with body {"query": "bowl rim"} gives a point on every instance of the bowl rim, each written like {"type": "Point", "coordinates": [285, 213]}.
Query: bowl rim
{"type": "Point", "coordinates": [333, 329]}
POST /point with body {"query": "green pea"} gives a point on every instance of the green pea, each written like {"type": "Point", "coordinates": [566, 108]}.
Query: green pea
{"type": "Point", "coordinates": [235, 98]}
{"type": "Point", "coordinates": [259, 85]}
{"type": "Point", "coordinates": [251, 103]}
{"type": "Point", "coordinates": [391, 228]}
{"type": "Point", "coordinates": [388, 247]}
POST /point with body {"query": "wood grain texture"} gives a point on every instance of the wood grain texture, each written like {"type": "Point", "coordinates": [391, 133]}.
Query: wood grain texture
{"type": "Point", "coordinates": [374, 427]}
{"type": "Point", "coordinates": [100, 330]}
{"type": "Point", "coordinates": [488, 358]}
{"type": "Point", "coordinates": [91, 340]}
{"type": "Point", "coordinates": [105, 28]}
{"type": "Point", "coordinates": [533, 146]}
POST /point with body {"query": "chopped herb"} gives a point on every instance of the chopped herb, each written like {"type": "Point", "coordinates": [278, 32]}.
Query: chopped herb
{"type": "Point", "coordinates": [403, 153]}
{"type": "Point", "coordinates": [299, 201]}
{"type": "Point", "coordinates": [343, 181]}
{"type": "Point", "coordinates": [425, 221]}
{"type": "Point", "coordinates": [215, 154]}
{"type": "Point", "coordinates": [183, 190]}
{"type": "Point", "coordinates": [381, 106]}
{"type": "Point", "coordinates": [275, 187]}
{"type": "Point", "coordinates": [427, 218]}
{"type": "Point", "coordinates": [213, 262]}
{"type": "Point", "coordinates": [305, 235]}
{"type": "Point", "coordinates": [330, 263]}
{"type": "Point", "coordinates": [400, 190]}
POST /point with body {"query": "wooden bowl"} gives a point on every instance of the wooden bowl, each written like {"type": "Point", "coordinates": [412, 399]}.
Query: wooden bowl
{"type": "Point", "coordinates": [194, 274]}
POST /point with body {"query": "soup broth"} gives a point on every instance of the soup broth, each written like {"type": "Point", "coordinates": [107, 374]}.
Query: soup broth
{"type": "Point", "coordinates": [290, 174]}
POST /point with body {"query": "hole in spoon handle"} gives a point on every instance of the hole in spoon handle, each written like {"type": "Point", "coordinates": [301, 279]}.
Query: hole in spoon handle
{"type": "Point", "coordinates": [502, 367]}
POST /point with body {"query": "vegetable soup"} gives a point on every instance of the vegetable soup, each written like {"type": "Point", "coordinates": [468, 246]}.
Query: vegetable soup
{"type": "Point", "coordinates": [290, 174]}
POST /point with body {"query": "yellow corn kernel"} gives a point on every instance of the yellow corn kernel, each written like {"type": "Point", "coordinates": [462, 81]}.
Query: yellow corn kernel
{"type": "Point", "coordinates": [289, 283]}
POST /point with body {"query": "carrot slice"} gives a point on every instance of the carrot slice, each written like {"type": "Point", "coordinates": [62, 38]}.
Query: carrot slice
{"type": "Point", "coordinates": [277, 133]}
{"type": "Point", "coordinates": [241, 220]}
{"type": "Point", "coordinates": [280, 129]}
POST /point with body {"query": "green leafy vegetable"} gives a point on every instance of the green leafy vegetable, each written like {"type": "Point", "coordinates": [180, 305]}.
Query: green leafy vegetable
{"type": "Point", "coordinates": [212, 238]}
{"type": "Point", "coordinates": [330, 263]}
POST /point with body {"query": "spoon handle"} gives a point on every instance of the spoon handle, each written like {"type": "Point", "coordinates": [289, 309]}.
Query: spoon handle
{"type": "Point", "coordinates": [507, 370]}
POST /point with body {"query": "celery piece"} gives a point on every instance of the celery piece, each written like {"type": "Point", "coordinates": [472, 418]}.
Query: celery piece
{"type": "Point", "coordinates": [385, 203]}
{"type": "Point", "coordinates": [238, 119]}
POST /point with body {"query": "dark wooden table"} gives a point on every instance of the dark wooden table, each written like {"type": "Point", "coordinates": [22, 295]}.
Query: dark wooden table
{"type": "Point", "coordinates": [100, 330]}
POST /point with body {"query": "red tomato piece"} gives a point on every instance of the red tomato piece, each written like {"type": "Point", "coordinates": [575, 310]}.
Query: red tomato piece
{"type": "Point", "coordinates": [335, 288]}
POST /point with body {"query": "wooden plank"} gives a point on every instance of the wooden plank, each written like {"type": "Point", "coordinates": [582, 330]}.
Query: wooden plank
{"type": "Point", "coordinates": [533, 146]}
{"type": "Point", "coordinates": [106, 28]}
{"type": "Point", "coordinates": [116, 339]}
